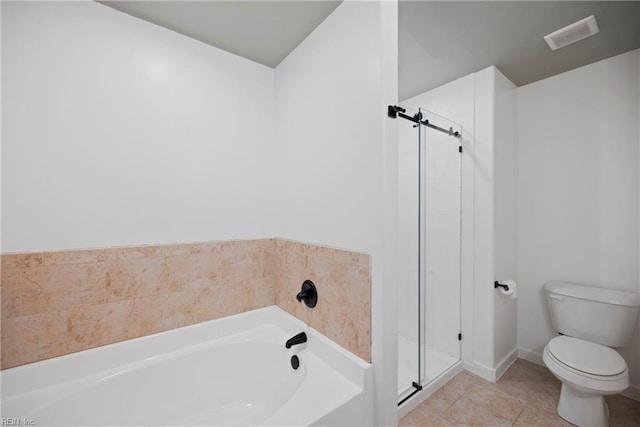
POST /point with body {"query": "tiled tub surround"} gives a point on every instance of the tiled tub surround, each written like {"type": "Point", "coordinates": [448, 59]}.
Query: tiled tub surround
{"type": "Point", "coordinates": [55, 303]}
{"type": "Point", "coordinates": [344, 291]}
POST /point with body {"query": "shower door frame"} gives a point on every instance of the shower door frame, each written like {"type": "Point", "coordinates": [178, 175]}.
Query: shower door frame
{"type": "Point", "coordinates": [420, 122]}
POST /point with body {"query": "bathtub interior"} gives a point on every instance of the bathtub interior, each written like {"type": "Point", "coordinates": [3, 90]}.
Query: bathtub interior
{"type": "Point", "coordinates": [231, 371]}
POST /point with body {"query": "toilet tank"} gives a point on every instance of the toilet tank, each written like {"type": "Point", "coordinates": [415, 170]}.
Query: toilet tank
{"type": "Point", "coordinates": [600, 315]}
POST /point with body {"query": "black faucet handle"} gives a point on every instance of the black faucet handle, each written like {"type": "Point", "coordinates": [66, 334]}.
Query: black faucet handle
{"type": "Point", "coordinates": [308, 294]}
{"type": "Point", "coordinates": [302, 295]}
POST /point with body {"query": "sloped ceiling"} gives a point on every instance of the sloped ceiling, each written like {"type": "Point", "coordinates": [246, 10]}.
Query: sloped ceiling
{"type": "Point", "coordinates": [439, 41]}
{"type": "Point", "coordinates": [262, 31]}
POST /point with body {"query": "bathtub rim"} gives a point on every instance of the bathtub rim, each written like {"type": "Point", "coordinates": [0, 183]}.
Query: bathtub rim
{"type": "Point", "coordinates": [103, 359]}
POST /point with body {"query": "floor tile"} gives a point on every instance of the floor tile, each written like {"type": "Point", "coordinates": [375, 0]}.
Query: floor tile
{"type": "Point", "coordinates": [422, 419]}
{"type": "Point", "coordinates": [623, 411]}
{"type": "Point", "coordinates": [497, 401]}
{"type": "Point", "coordinates": [461, 383]}
{"type": "Point", "coordinates": [520, 381]}
{"type": "Point", "coordinates": [469, 413]}
{"type": "Point", "coordinates": [440, 401]}
{"type": "Point", "coordinates": [526, 395]}
{"type": "Point", "coordinates": [546, 396]}
{"type": "Point", "coordinates": [535, 416]}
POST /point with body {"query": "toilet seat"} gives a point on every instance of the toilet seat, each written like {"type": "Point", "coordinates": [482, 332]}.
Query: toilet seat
{"type": "Point", "coordinates": [586, 382]}
{"type": "Point", "coordinates": [587, 357]}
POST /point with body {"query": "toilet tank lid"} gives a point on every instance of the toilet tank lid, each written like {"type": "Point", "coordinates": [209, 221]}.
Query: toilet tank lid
{"type": "Point", "coordinates": [594, 293]}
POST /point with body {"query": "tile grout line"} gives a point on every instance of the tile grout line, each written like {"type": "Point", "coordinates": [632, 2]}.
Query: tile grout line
{"type": "Point", "coordinates": [521, 412]}
{"type": "Point", "coordinates": [454, 402]}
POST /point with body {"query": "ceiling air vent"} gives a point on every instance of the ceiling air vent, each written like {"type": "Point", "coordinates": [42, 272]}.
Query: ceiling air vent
{"type": "Point", "coordinates": [572, 33]}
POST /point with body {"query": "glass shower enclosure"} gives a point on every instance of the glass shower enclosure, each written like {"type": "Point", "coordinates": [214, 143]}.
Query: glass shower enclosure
{"type": "Point", "coordinates": [430, 154]}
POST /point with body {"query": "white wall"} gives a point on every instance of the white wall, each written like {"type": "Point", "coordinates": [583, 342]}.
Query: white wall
{"type": "Point", "coordinates": [336, 173]}
{"type": "Point", "coordinates": [116, 131]}
{"type": "Point", "coordinates": [495, 233]}
{"type": "Point", "coordinates": [121, 132]}
{"type": "Point", "coordinates": [505, 214]}
{"type": "Point", "coordinates": [455, 100]}
{"type": "Point", "coordinates": [578, 190]}
{"type": "Point", "coordinates": [469, 101]}
{"type": "Point", "coordinates": [329, 176]}
{"type": "Point", "coordinates": [484, 104]}
{"type": "Point", "coordinates": [483, 224]}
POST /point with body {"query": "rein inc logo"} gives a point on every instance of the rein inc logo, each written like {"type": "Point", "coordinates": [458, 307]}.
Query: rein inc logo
{"type": "Point", "coordinates": [18, 422]}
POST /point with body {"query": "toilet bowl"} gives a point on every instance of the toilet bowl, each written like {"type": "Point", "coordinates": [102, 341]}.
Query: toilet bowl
{"type": "Point", "coordinates": [588, 372]}
{"type": "Point", "coordinates": [592, 321]}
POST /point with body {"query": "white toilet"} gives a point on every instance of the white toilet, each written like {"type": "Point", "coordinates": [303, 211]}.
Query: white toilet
{"type": "Point", "coordinates": [590, 320]}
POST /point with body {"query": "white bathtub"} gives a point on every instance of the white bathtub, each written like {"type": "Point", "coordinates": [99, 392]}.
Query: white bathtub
{"type": "Point", "coordinates": [231, 371]}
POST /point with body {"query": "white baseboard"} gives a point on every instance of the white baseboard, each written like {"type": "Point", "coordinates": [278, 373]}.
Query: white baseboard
{"type": "Point", "coordinates": [530, 355]}
{"type": "Point", "coordinates": [492, 374]}
{"type": "Point", "coordinates": [633, 392]}
{"type": "Point", "coordinates": [505, 364]}
{"type": "Point", "coordinates": [480, 370]}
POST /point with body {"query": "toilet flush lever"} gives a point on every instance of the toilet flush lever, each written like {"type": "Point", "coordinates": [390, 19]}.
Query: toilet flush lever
{"type": "Point", "coordinates": [559, 298]}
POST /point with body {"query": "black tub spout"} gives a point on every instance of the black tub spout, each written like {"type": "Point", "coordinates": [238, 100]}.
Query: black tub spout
{"type": "Point", "coordinates": [296, 339]}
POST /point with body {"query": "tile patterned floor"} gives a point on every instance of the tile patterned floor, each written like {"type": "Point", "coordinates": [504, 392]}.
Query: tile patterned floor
{"type": "Point", "coordinates": [526, 395]}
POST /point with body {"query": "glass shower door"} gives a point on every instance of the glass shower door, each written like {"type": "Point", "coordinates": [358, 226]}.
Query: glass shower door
{"type": "Point", "coordinates": [440, 241]}
{"type": "Point", "coordinates": [429, 258]}
{"type": "Point", "coordinates": [409, 335]}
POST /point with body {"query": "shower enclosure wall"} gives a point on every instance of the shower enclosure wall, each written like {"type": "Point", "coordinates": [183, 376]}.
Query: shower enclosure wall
{"type": "Point", "coordinates": [430, 236]}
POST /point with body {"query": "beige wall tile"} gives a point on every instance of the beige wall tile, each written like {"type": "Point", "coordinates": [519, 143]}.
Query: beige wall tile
{"type": "Point", "coordinates": [75, 257]}
{"type": "Point", "coordinates": [194, 271]}
{"type": "Point", "coordinates": [343, 281]}
{"type": "Point", "coordinates": [163, 312]}
{"type": "Point", "coordinates": [57, 287]}
{"type": "Point", "coordinates": [268, 257]}
{"type": "Point", "coordinates": [208, 304]}
{"type": "Point", "coordinates": [69, 301]}
{"type": "Point", "coordinates": [20, 261]}
{"type": "Point", "coordinates": [29, 338]}
{"type": "Point", "coordinates": [136, 278]}
{"type": "Point", "coordinates": [10, 294]}
{"type": "Point", "coordinates": [97, 325]}
{"type": "Point", "coordinates": [43, 302]}
{"type": "Point", "coordinates": [151, 251]}
{"type": "Point", "coordinates": [63, 279]}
